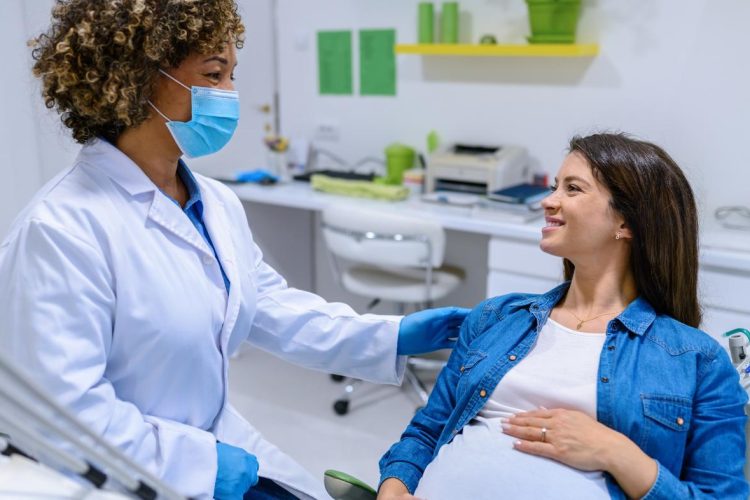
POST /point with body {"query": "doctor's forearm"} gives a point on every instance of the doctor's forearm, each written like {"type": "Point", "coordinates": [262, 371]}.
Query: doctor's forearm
{"type": "Point", "coordinates": [634, 471]}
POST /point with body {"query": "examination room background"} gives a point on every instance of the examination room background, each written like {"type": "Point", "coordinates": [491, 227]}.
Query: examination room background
{"type": "Point", "coordinates": [672, 71]}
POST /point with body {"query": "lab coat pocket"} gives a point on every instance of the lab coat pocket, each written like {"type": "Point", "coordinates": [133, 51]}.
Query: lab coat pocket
{"type": "Point", "coordinates": [666, 422]}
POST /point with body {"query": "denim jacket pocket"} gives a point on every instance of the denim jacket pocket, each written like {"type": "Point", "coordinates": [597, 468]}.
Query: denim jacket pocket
{"type": "Point", "coordinates": [472, 358]}
{"type": "Point", "coordinates": [470, 361]}
{"type": "Point", "coordinates": [667, 420]}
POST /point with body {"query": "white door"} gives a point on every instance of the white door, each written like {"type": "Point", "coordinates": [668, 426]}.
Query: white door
{"type": "Point", "coordinates": [254, 79]}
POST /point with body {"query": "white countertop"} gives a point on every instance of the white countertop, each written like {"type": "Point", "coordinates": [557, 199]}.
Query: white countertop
{"type": "Point", "coordinates": [720, 247]}
{"type": "Point", "coordinates": [299, 195]}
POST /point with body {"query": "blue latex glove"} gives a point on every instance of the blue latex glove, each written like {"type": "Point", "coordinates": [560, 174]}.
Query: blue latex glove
{"type": "Point", "coordinates": [258, 176]}
{"type": "Point", "coordinates": [430, 330]}
{"type": "Point", "coordinates": [238, 472]}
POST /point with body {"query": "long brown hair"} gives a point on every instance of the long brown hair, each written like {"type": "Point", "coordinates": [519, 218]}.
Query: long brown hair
{"type": "Point", "coordinates": [652, 194]}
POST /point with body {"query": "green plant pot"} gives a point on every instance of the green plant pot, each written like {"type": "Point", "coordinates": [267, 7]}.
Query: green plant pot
{"type": "Point", "coordinates": [553, 21]}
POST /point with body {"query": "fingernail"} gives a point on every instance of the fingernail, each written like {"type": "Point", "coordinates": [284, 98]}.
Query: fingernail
{"type": "Point", "coordinates": [505, 427]}
{"type": "Point", "coordinates": [542, 407]}
{"type": "Point", "coordinates": [516, 444]}
{"type": "Point", "coordinates": [504, 420]}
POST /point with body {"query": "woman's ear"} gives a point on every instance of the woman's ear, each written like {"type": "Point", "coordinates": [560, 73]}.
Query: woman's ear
{"type": "Point", "coordinates": [625, 232]}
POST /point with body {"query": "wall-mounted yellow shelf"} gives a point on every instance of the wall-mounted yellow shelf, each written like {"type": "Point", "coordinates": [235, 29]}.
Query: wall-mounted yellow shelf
{"type": "Point", "coordinates": [530, 50]}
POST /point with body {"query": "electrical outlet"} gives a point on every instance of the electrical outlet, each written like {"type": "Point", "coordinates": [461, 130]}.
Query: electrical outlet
{"type": "Point", "coordinates": [327, 131]}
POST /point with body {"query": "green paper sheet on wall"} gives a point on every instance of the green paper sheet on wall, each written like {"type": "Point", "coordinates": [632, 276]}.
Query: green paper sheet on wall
{"type": "Point", "coordinates": [335, 62]}
{"type": "Point", "coordinates": [377, 62]}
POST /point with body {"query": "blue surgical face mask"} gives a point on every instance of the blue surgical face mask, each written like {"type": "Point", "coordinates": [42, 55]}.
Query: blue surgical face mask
{"type": "Point", "coordinates": [215, 114]}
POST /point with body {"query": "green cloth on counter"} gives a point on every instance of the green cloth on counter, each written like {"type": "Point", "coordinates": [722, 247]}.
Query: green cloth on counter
{"type": "Point", "coordinates": [359, 189]}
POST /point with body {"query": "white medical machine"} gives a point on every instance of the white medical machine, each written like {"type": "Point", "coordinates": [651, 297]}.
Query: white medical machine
{"type": "Point", "coordinates": [44, 447]}
{"type": "Point", "coordinates": [476, 169]}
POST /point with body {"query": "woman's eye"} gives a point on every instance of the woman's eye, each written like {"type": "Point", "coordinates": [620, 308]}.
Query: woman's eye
{"type": "Point", "coordinates": [573, 187]}
{"type": "Point", "coordinates": [214, 76]}
{"type": "Point", "coordinates": [231, 77]}
{"type": "Point", "coordinates": [553, 188]}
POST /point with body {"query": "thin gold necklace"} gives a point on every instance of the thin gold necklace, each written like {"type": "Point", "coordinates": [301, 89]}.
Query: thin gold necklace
{"type": "Point", "coordinates": [582, 321]}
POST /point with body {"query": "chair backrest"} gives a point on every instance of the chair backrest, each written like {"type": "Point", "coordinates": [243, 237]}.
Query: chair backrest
{"type": "Point", "coordinates": [386, 239]}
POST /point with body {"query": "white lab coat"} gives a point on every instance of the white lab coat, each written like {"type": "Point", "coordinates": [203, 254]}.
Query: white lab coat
{"type": "Point", "coordinates": [114, 303]}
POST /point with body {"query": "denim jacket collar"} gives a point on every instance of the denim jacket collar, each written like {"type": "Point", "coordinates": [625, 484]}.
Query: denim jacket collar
{"type": "Point", "coordinates": [636, 317]}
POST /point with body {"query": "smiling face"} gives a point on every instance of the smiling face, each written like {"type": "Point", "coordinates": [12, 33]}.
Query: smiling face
{"type": "Point", "coordinates": [581, 224]}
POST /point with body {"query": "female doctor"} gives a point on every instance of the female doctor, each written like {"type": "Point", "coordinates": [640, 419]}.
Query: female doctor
{"type": "Point", "coordinates": [129, 281]}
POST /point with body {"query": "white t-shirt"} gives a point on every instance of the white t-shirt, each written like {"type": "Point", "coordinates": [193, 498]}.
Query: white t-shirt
{"type": "Point", "coordinates": [559, 372]}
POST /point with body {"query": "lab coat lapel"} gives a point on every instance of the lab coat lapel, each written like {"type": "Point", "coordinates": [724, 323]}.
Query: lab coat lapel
{"type": "Point", "coordinates": [215, 218]}
{"type": "Point", "coordinates": [124, 172]}
{"type": "Point", "coordinates": [165, 213]}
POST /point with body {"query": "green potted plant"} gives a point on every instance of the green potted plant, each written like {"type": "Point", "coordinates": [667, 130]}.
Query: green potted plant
{"type": "Point", "coordinates": [553, 21]}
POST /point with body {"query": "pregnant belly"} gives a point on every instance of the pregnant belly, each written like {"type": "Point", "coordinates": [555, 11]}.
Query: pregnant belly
{"type": "Point", "coordinates": [481, 463]}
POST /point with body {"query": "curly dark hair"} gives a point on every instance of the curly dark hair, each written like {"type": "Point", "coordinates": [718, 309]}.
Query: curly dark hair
{"type": "Point", "coordinates": [99, 59]}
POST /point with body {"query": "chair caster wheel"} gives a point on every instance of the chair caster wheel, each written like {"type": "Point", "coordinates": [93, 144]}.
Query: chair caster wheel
{"type": "Point", "coordinates": [341, 407]}
{"type": "Point", "coordinates": [337, 378]}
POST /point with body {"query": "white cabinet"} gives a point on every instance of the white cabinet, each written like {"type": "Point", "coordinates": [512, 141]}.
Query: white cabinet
{"type": "Point", "coordinates": [724, 293]}
{"type": "Point", "coordinates": [520, 266]}
{"type": "Point", "coordinates": [727, 289]}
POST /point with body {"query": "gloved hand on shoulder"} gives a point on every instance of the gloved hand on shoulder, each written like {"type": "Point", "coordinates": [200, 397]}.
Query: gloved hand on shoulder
{"type": "Point", "coordinates": [237, 472]}
{"type": "Point", "coordinates": [430, 330]}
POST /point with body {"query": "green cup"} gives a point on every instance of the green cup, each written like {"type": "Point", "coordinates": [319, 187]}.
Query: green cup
{"type": "Point", "coordinates": [426, 25]}
{"type": "Point", "coordinates": [449, 22]}
{"type": "Point", "coordinates": [398, 158]}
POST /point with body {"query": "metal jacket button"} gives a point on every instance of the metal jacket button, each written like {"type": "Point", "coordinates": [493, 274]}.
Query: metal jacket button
{"type": "Point", "coordinates": [680, 421]}
{"type": "Point", "coordinates": [462, 369]}
{"type": "Point", "coordinates": [483, 393]}
{"type": "Point", "coordinates": [512, 357]}
{"type": "Point", "coordinates": [605, 380]}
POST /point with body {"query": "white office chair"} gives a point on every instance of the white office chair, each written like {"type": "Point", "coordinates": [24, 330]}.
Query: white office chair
{"type": "Point", "coordinates": [390, 257]}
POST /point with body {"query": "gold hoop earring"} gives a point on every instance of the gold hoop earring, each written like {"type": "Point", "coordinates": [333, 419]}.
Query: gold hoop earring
{"type": "Point", "coordinates": [617, 235]}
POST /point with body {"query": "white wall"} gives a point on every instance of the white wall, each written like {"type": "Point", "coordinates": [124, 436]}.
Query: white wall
{"type": "Point", "coordinates": [33, 146]}
{"type": "Point", "coordinates": [19, 161]}
{"type": "Point", "coordinates": [670, 71]}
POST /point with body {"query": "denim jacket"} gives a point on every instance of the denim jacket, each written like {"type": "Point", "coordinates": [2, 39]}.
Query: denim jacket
{"type": "Point", "coordinates": [668, 387]}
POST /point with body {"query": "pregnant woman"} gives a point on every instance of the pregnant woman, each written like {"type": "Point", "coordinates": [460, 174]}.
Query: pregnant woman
{"type": "Point", "coordinates": [602, 387]}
